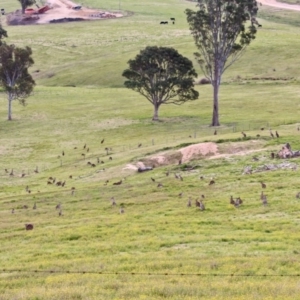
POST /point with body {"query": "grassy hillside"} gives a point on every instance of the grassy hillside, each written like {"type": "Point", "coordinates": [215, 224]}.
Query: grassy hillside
{"type": "Point", "coordinates": [142, 252]}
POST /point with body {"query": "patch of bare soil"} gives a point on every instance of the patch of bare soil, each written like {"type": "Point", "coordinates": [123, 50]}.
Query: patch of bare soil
{"type": "Point", "coordinates": [60, 11]}
{"type": "Point", "coordinates": [208, 150]}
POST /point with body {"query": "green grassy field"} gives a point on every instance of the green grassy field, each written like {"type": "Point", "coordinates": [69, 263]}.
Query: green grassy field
{"type": "Point", "coordinates": [80, 99]}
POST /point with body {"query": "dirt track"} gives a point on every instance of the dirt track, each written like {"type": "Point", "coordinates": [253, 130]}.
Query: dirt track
{"type": "Point", "coordinates": [281, 5]}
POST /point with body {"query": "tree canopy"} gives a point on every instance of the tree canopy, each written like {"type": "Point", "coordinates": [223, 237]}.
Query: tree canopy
{"type": "Point", "coordinates": [222, 29]}
{"type": "Point", "coordinates": [14, 76]}
{"type": "Point", "coordinates": [162, 76]}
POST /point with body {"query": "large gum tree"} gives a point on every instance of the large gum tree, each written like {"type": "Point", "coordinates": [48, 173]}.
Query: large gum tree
{"type": "Point", "coordinates": [222, 29]}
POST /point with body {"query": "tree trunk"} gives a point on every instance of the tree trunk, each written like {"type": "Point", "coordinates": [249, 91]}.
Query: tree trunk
{"type": "Point", "coordinates": [215, 117]}
{"type": "Point", "coordinates": [9, 108]}
{"type": "Point", "coordinates": [216, 85]}
{"type": "Point", "coordinates": [155, 116]}
{"type": "Point", "coordinates": [23, 7]}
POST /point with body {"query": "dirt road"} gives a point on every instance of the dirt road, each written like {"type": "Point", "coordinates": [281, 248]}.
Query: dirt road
{"type": "Point", "coordinates": [281, 5]}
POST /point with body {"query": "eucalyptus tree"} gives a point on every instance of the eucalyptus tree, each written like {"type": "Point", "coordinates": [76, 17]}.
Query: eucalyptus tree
{"type": "Point", "coordinates": [222, 30]}
{"type": "Point", "coordinates": [14, 77]}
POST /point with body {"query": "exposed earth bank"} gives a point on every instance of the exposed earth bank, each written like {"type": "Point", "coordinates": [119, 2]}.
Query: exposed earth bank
{"type": "Point", "coordinates": [60, 11]}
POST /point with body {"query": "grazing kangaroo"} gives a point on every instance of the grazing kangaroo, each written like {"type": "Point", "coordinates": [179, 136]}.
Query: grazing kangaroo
{"type": "Point", "coordinates": [118, 182]}
{"type": "Point", "coordinates": [28, 226]}
{"type": "Point", "coordinates": [113, 201]}
{"type": "Point", "coordinates": [263, 185]}
{"type": "Point", "coordinates": [201, 206]}
{"type": "Point", "coordinates": [264, 200]}
{"type": "Point", "coordinates": [211, 182]}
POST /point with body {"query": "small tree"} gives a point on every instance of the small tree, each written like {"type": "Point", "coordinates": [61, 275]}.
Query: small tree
{"type": "Point", "coordinates": [162, 76]}
{"type": "Point", "coordinates": [220, 33]}
{"type": "Point", "coordinates": [14, 76]}
{"type": "Point", "coordinates": [25, 4]}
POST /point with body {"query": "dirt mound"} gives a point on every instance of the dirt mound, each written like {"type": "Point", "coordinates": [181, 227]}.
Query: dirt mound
{"type": "Point", "coordinates": [198, 151]}
{"type": "Point", "coordinates": [183, 155]}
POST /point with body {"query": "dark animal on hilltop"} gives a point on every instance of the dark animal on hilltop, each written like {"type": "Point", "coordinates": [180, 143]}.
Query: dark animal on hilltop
{"type": "Point", "coordinates": [244, 134]}
{"type": "Point", "coordinates": [28, 226]}
{"type": "Point", "coordinates": [277, 134]}
{"type": "Point", "coordinates": [84, 146]}
{"type": "Point", "coordinates": [172, 19]}
{"type": "Point", "coordinates": [102, 141]}
{"type": "Point", "coordinates": [63, 153]}
{"type": "Point", "coordinates": [271, 133]}
{"type": "Point", "coordinates": [153, 179]}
